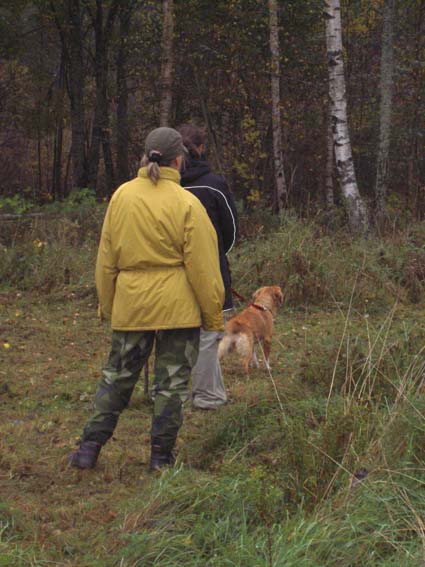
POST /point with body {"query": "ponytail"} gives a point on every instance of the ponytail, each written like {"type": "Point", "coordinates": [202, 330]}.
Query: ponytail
{"type": "Point", "coordinates": [153, 169]}
{"type": "Point", "coordinates": [193, 137]}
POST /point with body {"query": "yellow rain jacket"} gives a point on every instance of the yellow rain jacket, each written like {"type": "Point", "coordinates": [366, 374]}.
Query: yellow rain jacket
{"type": "Point", "coordinates": [157, 265]}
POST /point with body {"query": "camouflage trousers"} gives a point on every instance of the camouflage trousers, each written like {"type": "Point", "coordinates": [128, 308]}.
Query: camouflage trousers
{"type": "Point", "coordinates": [176, 351]}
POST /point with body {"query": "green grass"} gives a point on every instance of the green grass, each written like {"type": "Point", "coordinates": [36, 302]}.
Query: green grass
{"type": "Point", "coordinates": [266, 480]}
{"type": "Point", "coordinates": [329, 269]}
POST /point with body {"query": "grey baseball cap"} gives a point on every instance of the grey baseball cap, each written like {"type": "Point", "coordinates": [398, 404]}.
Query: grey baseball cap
{"type": "Point", "coordinates": [164, 144]}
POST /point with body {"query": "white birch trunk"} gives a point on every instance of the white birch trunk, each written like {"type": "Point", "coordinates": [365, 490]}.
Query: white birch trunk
{"type": "Point", "coordinates": [167, 64]}
{"type": "Point", "coordinates": [386, 88]}
{"type": "Point", "coordinates": [280, 189]}
{"type": "Point", "coordinates": [355, 206]}
{"type": "Point", "coordinates": [330, 160]}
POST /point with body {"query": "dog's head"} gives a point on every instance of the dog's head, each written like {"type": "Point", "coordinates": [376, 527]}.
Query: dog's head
{"type": "Point", "coordinates": [269, 296]}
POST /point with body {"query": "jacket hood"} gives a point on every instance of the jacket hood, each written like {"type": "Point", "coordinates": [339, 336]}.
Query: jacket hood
{"type": "Point", "coordinates": [193, 170]}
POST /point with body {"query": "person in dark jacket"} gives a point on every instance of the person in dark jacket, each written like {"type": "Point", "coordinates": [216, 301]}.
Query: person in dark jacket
{"type": "Point", "coordinates": [211, 189]}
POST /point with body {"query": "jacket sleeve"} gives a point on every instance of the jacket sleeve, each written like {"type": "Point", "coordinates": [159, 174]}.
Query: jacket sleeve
{"type": "Point", "coordinates": [106, 269]}
{"type": "Point", "coordinates": [228, 218]}
{"type": "Point", "coordinates": [202, 266]}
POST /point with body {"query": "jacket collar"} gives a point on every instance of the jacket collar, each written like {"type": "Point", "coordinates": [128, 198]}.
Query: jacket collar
{"type": "Point", "coordinates": [166, 173]}
{"type": "Point", "coordinates": [194, 169]}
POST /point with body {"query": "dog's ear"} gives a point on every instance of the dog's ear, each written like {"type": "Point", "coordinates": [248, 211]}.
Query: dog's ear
{"type": "Point", "coordinates": [256, 294]}
{"type": "Point", "coordinates": [278, 295]}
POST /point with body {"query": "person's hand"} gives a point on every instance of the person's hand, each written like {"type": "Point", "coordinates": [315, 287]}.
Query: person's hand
{"type": "Point", "coordinates": [100, 314]}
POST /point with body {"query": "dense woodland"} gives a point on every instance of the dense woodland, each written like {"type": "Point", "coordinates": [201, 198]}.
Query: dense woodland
{"type": "Point", "coordinates": [83, 81]}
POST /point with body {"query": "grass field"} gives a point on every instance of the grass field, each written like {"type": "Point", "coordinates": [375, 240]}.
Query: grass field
{"type": "Point", "coordinates": [270, 479]}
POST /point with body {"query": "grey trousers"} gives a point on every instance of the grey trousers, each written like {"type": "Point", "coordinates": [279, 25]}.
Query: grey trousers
{"type": "Point", "coordinates": [207, 381]}
{"type": "Point", "coordinates": [208, 390]}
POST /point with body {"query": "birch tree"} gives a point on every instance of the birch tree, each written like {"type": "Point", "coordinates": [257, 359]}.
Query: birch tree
{"type": "Point", "coordinates": [355, 206]}
{"type": "Point", "coordinates": [281, 193]}
{"type": "Point", "coordinates": [386, 89]}
{"type": "Point", "coordinates": [330, 161]}
{"type": "Point", "coordinates": [167, 63]}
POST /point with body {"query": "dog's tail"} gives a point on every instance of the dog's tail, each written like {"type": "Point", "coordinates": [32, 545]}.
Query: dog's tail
{"type": "Point", "coordinates": [226, 345]}
{"type": "Point", "coordinates": [234, 340]}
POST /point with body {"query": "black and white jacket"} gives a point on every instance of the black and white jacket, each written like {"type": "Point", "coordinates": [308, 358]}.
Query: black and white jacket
{"type": "Point", "coordinates": [211, 189]}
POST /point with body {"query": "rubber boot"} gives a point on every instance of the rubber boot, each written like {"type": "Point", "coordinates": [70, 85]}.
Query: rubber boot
{"type": "Point", "coordinates": [160, 458]}
{"type": "Point", "coordinates": [86, 455]}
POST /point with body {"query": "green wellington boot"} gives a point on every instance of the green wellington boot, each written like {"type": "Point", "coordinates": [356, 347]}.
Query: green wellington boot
{"type": "Point", "coordinates": [160, 458]}
{"type": "Point", "coordinates": [85, 457]}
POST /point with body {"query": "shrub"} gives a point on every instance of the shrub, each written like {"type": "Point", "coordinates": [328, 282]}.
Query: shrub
{"type": "Point", "coordinates": [332, 270]}
{"type": "Point", "coordinates": [15, 205]}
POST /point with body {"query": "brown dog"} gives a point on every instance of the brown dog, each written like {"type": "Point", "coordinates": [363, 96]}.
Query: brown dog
{"type": "Point", "coordinates": [254, 324]}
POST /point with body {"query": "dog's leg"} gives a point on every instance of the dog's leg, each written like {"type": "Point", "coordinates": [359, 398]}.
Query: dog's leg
{"type": "Point", "coordinates": [266, 347]}
{"type": "Point", "coordinates": [246, 350]}
{"type": "Point", "coordinates": [254, 359]}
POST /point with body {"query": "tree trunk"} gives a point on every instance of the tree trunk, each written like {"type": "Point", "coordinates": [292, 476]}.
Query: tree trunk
{"type": "Point", "coordinates": [99, 71]}
{"type": "Point", "coordinates": [208, 122]}
{"type": "Point", "coordinates": [281, 194]}
{"type": "Point", "coordinates": [355, 206]}
{"type": "Point", "coordinates": [123, 172]}
{"type": "Point", "coordinates": [330, 160]}
{"type": "Point", "coordinates": [167, 64]}
{"type": "Point", "coordinates": [386, 88]}
{"type": "Point", "coordinates": [39, 169]}
{"type": "Point", "coordinates": [100, 131]}
{"type": "Point", "coordinates": [58, 136]}
{"type": "Point", "coordinates": [76, 93]}
{"type": "Point", "coordinates": [415, 188]}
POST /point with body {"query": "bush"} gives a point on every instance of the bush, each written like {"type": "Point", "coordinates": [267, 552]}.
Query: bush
{"type": "Point", "coordinates": [331, 270]}
{"type": "Point", "coordinates": [46, 253]}
{"type": "Point", "coordinates": [15, 205]}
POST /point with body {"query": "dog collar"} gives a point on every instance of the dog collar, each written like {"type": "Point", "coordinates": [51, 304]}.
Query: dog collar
{"type": "Point", "coordinates": [260, 307]}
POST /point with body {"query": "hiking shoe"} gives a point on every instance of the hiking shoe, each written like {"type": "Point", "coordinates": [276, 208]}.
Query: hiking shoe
{"type": "Point", "coordinates": [160, 458]}
{"type": "Point", "coordinates": [86, 455]}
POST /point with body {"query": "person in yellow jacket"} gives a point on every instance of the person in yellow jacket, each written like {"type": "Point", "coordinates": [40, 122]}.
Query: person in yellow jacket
{"type": "Point", "coordinates": [158, 279]}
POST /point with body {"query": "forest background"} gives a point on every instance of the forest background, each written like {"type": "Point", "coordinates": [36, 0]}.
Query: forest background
{"type": "Point", "coordinates": [82, 82]}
